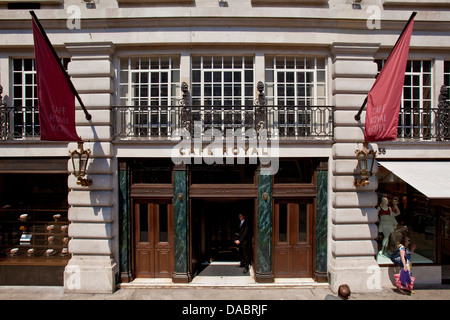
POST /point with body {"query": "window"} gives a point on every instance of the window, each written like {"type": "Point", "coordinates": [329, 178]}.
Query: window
{"type": "Point", "coordinates": [297, 87]}
{"type": "Point", "coordinates": [296, 81]}
{"type": "Point", "coordinates": [149, 81]}
{"type": "Point", "coordinates": [151, 86]}
{"type": "Point", "coordinates": [33, 228]}
{"type": "Point", "coordinates": [415, 119]}
{"type": "Point", "coordinates": [222, 81]}
{"type": "Point", "coordinates": [415, 216]}
{"type": "Point", "coordinates": [24, 97]}
{"type": "Point", "coordinates": [447, 74]}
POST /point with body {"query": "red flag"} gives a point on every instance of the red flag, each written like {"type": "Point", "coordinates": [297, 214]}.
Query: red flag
{"type": "Point", "coordinates": [384, 99]}
{"type": "Point", "coordinates": [56, 100]}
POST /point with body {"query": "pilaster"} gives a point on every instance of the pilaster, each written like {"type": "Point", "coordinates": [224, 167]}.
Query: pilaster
{"type": "Point", "coordinates": [93, 211]}
{"type": "Point", "coordinates": [181, 272]}
{"type": "Point", "coordinates": [320, 273]}
{"type": "Point", "coordinates": [352, 230]}
{"type": "Point", "coordinates": [264, 228]}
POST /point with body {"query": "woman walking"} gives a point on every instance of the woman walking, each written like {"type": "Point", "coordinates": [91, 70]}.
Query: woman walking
{"type": "Point", "coordinates": [402, 257]}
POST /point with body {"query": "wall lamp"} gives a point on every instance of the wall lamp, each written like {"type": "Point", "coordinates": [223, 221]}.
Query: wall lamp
{"type": "Point", "coordinates": [80, 158]}
{"type": "Point", "coordinates": [366, 159]}
{"type": "Point", "coordinates": [356, 4]}
{"type": "Point", "coordinates": [90, 4]}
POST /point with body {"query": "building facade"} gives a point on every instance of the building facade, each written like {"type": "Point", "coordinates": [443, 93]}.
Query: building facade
{"type": "Point", "coordinates": [204, 109]}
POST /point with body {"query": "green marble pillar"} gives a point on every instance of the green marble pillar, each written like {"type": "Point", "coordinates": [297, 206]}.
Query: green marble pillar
{"type": "Point", "coordinates": [181, 226]}
{"type": "Point", "coordinates": [124, 223]}
{"type": "Point", "coordinates": [320, 273]}
{"type": "Point", "coordinates": [264, 229]}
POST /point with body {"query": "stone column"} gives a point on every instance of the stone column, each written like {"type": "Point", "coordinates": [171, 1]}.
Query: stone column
{"type": "Point", "coordinates": [125, 241]}
{"type": "Point", "coordinates": [93, 246]}
{"type": "Point", "coordinates": [320, 273]}
{"type": "Point", "coordinates": [352, 229]}
{"type": "Point", "coordinates": [264, 229]}
{"type": "Point", "coordinates": [181, 272]}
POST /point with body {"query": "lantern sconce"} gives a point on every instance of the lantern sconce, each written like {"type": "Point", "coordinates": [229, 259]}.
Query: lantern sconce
{"type": "Point", "coordinates": [80, 158]}
{"type": "Point", "coordinates": [366, 159]}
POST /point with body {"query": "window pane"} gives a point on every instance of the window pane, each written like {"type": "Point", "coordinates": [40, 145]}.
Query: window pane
{"type": "Point", "coordinates": [163, 223]}
{"type": "Point", "coordinates": [294, 73]}
{"type": "Point", "coordinates": [302, 223]}
{"type": "Point", "coordinates": [226, 80]}
{"type": "Point", "coordinates": [282, 223]}
{"type": "Point", "coordinates": [143, 222]}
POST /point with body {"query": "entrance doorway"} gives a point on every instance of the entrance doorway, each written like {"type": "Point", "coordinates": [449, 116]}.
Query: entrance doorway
{"type": "Point", "coordinates": [293, 238]}
{"type": "Point", "coordinates": [214, 224]}
{"type": "Point", "coordinates": [153, 238]}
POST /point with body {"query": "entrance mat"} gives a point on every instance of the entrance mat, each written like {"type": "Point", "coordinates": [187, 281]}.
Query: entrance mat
{"type": "Point", "coordinates": [216, 269]}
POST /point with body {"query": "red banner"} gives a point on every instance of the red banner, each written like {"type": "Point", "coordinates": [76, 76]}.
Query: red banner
{"type": "Point", "coordinates": [56, 100]}
{"type": "Point", "coordinates": [384, 99]}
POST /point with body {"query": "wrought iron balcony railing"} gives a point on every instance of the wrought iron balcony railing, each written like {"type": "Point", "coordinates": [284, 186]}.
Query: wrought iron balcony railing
{"type": "Point", "coordinates": [284, 122]}
{"type": "Point", "coordinates": [424, 124]}
{"type": "Point", "coordinates": [17, 123]}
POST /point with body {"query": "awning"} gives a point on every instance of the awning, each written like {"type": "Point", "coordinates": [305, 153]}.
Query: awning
{"type": "Point", "coordinates": [432, 178]}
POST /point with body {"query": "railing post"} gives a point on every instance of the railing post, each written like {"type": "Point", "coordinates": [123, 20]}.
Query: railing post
{"type": "Point", "coordinates": [5, 118]}
{"type": "Point", "coordinates": [260, 112]}
{"type": "Point", "coordinates": [185, 110]}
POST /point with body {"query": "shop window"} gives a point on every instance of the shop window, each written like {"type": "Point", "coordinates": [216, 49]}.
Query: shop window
{"type": "Point", "coordinates": [415, 217]}
{"type": "Point", "coordinates": [33, 228]}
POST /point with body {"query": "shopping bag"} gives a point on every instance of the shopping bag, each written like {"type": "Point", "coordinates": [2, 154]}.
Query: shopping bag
{"type": "Point", "coordinates": [403, 280]}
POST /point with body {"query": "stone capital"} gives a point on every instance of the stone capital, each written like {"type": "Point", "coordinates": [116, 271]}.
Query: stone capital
{"type": "Point", "coordinates": [90, 50]}
{"type": "Point", "coordinates": [353, 51]}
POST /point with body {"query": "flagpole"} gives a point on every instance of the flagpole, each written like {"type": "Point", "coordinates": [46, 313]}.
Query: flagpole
{"type": "Point", "coordinates": [41, 29]}
{"type": "Point", "coordinates": [358, 115]}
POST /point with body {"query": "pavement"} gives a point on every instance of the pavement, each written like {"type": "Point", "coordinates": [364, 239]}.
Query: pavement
{"type": "Point", "coordinates": [431, 292]}
{"type": "Point", "coordinates": [235, 286]}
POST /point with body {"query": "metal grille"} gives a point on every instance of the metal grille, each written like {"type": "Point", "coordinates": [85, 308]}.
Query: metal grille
{"type": "Point", "coordinates": [155, 122]}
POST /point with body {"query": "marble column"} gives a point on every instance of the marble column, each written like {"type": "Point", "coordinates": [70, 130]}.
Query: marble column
{"type": "Point", "coordinates": [320, 273]}
{"type": "Point", "coordinates": [263, 272]}
{"type": "Point", "coordinates": [124, 223]}
{"type": "Point", "coordinates": [181, 226]}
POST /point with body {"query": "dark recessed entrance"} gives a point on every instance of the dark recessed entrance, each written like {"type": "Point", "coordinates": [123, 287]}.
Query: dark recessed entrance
{"type": "Point", "coordinates": [214, 223]}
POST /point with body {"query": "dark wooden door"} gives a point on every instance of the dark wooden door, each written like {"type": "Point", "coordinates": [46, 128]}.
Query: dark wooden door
{"type": "Point", "coordinates": [292, 237]}
{"type": "Point", "coordinates": [153, 239]}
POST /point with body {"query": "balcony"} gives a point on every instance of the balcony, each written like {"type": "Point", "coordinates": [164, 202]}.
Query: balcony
{"type": "Point", "coordinates": [284, 122]}
{"type": "Point", "coordinates": [19, 123]}
{"type": "Point", "coordinates": [424, 124]}
{"type": "Point", "coordinates": [163, 122]}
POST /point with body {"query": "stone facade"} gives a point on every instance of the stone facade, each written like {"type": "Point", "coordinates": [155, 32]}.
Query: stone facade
{"type": "Point", "coordinates": [131, 28]}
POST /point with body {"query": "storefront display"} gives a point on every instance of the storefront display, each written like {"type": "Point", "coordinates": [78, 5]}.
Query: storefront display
{"type": "Point", "coordinates": [407, 212]}
{"type": "Point", "coordinates": [33, 229]}
{"type": "Point", "coordinates": [34, 235]}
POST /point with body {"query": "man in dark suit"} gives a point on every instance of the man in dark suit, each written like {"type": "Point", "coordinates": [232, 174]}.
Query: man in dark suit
{"type": "Point", "coordinates": [244, 242]}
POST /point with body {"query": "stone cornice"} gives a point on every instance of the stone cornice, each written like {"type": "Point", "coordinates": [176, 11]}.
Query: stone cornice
{"type": "Point", "coordinates": [118, 18]}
